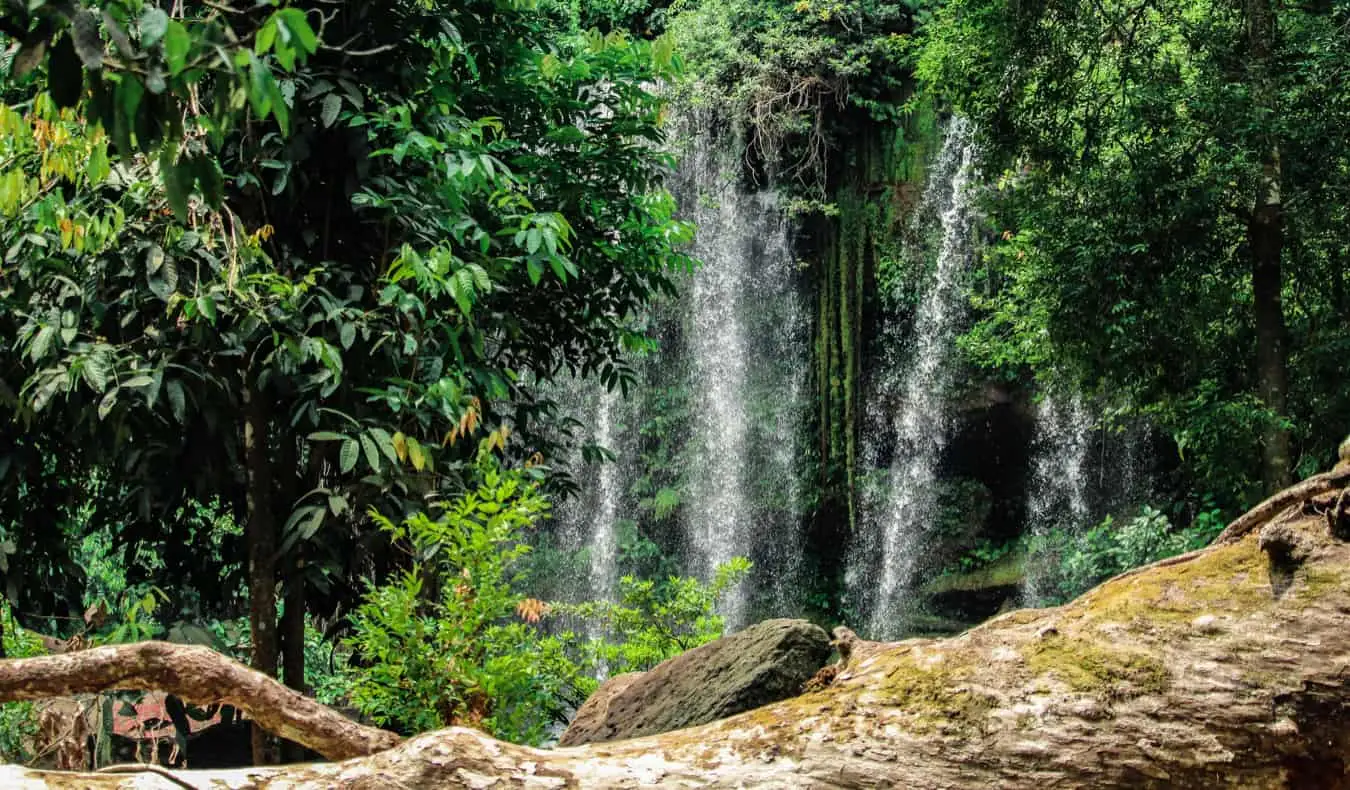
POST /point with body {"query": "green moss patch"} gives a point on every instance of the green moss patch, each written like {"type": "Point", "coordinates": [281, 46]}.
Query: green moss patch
{"type": "Point", "coordinates": [936, 695]}
{"type": "Point", "coordinates": [1086, 667]}
{"type": "Point", "coordinates": [1231, 578]}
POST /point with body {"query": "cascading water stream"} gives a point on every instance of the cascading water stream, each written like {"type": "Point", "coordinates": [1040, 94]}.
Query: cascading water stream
{"type": "Point", "coordinates": [588, 520]}
{"type": "Point", "coordinates": [604, 544]}
{"type": "Point", "coordinates": [893, 535]}
{"type": "Point", "coordinates": [1057, 496]}
{"type": "Point", "coordinates": [746, 372]}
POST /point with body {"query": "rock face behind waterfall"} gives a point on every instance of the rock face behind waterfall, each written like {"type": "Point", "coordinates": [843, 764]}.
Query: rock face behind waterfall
{"type": "Point", "coordinates": [764, 663]}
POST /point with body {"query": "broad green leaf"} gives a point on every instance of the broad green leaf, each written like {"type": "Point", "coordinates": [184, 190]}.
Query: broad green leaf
{"type": "Point", "coordinates": [106, 404]}
{"type": "Point", "coordinates": [372, 453]}
{"type": "Point", "coordinates": [42, 343]}
{"type": "Point", "coordinates": [332, 105]}
{"type": "Point", "coordinates": [177, 399]}
{"type": "Point", "coordinates": [267, 35]}
{"type": "Point", "coordinates": [298, 24]}
{"type": "Point", "coordinates": [177, 45]}
{"type": "Point", "coordinates": [386, 444]}
{"type": "Point", "coordinates": [348, 455]}
{"type": "Point", "coordinates": [417, 455]}
{"type": "Point", "coordinates": [177, 183]}
{"type": "Point", "coordinates": [207, 307]}
{"type": "Point", "coordinates": [328, 436]}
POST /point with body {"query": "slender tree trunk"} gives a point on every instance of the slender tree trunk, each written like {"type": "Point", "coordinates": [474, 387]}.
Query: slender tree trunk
{"type": "Point", "coordinates": [1265, 238]}
{"type": "Point", "coordinates": [293, 643]}
{"type": "Point", "coordinates": [261, 536]}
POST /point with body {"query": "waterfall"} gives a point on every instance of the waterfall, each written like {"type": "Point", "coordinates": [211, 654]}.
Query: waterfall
{"type": "Point", "coordinates": [587, 522]}
{"type": "Point", "coordinates": [604, 543]}
{"type": "Point", "coordinates": [744, 338]}
{"type": "Point", "coordinates": [886, 555]}
{"type": "Point", "coordinates": [1057, 496]}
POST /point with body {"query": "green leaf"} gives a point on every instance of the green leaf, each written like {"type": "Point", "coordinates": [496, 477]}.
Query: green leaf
{"type": "Point", "coordinates": [332, 105]}
{"type": "Point", "coordinates": [177, 178]}
{"type": "Point", "coordinates": [177, 45]}
{"type": "Point", "coordinates": [416, 454]}
{"type": "Point", "coordinates": [298, 25]}
{"type": "Point", "coordinates": [96, 370]}
{"type": "Point", "coordinates": [42, 343]}
{"type": "Point", "coordinates": [106, 404]}
{"type": "Point", "coordinates": [347, 335]}
{"type": "Point", "coordinates": [207, 307]}
{"type": "Point", "coordinates": [337, 504]}
{"type": "Point", "coordinates": [154, 24]}
{"type": "Point", "coordinates": [328, 436]}
{"type": "Point", "coordinates": [267, 35]}
{"type": "Point", "coordinates": [372, 453]}
{"type": "Point", "coordinates": [177, 399]}
{"type": "Point", "coordinates": [348, 455]}
{"type": "Point", "coordinates": [385, 443]}
{"type": "Point", "coordinates": [154, 259]}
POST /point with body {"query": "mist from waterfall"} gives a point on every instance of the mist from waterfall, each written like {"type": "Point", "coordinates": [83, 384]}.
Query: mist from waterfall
{"type": "Point", "coordinates": [1060, 481]}
{"type": "Point", "coordinates": [604, 542]}
{"type": "Point", "coordinates": [745, 338]}
{"type": "Point", "coordinates": [588, 521]}
{"type": "Point", "coordinates": [736, 349]}
{"type": "Point", "coordinates": [892, 529]}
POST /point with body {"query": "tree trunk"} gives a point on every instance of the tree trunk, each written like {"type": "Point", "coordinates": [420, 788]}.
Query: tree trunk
{"type": "Point", "coordinates": [1265, 239]}
{"type": "Point", "coordinates": [261, 536]}
{"type": "Point", "coordinates": [1225, 668]}
{"type": "Point", "coordinates": [293, 643]}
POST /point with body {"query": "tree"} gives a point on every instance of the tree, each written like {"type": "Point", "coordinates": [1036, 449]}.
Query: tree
{"type": "Point", "coordinates": [298, 256]}
{"type": "Point", "coordinates": [1163, 235]}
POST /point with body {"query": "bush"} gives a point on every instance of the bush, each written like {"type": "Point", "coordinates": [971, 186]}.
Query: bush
{"type": "Point", "coordinates": [18, 720]}
{"type": "Point", "coordinates": [437, 641]}
{"type": "Point", "coordinates": [1070, 563]}
{"type": "Point", "coordinates": [651, 622]}
{"type": "Point", "coordinates": [452, 641]}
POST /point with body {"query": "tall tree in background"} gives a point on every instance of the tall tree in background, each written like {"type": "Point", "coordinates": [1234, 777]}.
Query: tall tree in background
{"type": "Point", "coordinates": [1166, 219]}
{"type": "Point", "coordinates": [1265, 238]}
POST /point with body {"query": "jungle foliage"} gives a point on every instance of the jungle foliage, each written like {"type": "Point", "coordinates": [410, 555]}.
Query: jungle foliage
{"type": "Point", "coordinates": [297, 259]}
{"type": "Point", "coordinates": [1171, 183]}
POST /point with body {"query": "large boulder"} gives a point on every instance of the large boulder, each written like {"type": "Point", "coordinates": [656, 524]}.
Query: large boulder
{"type": "Point", "coordinates": [764, 663]}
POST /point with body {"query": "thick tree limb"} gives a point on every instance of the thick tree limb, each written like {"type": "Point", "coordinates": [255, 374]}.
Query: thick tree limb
{"type": "Point", "coordinates": [200, 676]}
{"type": "Point", "coordinates": [1294, 495]}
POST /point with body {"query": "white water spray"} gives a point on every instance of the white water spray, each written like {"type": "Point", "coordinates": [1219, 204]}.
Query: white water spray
{"type": "Point", "coordinates": [893, 535]}
{"type": "Point", "coordinates": [744, 327]}
{"type": "Point", "coordinates": [1057, 494]}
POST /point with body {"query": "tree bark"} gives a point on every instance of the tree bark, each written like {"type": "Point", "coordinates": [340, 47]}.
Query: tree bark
{"type": "Point", "coordinates": [199, 676]}
{"type": "Point", "coordinates": [261, 536]}
{"type": "Point", "coordinates": [293, 643]}
{"type": "Point", "coordinates": [1225, 668]}
{"type": "Point", "coordinates": [1265, 239]}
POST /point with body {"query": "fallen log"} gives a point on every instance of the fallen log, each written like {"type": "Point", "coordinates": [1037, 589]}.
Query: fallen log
{"type": "Point", "coordinates": [1227, 669]}
{"type": "Point", "coordinates": [199, 676]}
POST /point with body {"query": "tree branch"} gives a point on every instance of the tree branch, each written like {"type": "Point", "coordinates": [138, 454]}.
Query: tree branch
{"type": "Point", "coordinates": [200, 676]}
